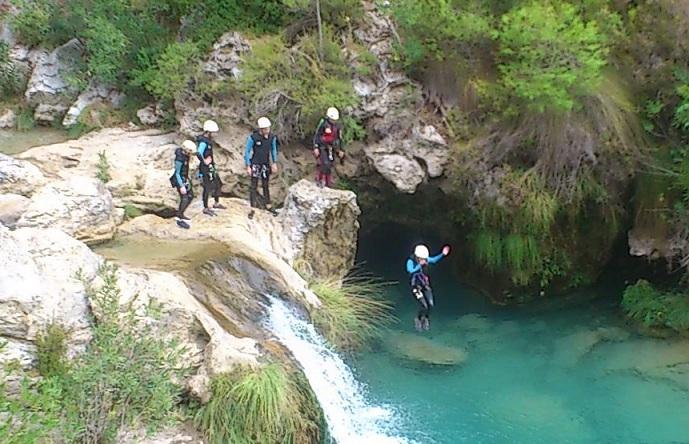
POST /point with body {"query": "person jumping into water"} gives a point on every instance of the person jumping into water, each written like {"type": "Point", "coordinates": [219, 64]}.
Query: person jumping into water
{"type": "Point", "coordinates": [417, 267]}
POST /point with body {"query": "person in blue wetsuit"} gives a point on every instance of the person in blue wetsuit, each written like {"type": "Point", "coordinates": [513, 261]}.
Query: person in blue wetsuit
{"type": "Point", "coordinates": [417, 267]}
{"type": "Point", "coordinates": [207, 170]}
{"type": "Point", "coordinates": [180, 181]}
{"type": "Point", "coordinates": [260, 158]}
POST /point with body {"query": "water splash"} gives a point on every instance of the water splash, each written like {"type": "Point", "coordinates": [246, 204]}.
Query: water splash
{"type": "Point", "coordinates": [351, 418]}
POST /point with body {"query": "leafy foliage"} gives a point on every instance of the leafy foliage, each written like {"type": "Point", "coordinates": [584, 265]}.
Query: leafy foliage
{"type": "Point", "coordinates": [51, 350]}
{"type": "Point", "coordinates": [268, 405]}
{"type": "Point", "coordinates": [654, 308]}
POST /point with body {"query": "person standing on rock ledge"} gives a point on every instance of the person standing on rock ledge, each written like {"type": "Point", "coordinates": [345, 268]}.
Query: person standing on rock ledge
{"type": "Point", "coordinates": [180, 181]}
{"type": "Point", "coordinates": [207, 170]}
{"type": "Point", "coordinates": [260, 158]}
{"type": "Point", "coordinates": [327, 142]}
{"type": "Point", "coordinates": [417, 267]}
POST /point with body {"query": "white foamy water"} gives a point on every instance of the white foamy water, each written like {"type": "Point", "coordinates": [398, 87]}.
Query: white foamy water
{"type": "Point", "coordinates": [351, 418]}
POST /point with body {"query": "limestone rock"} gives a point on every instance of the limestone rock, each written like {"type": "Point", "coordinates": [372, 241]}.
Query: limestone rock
{"type": "Point", "coordinates": [141, 163]}
{"type": "Point", "coordinates": [19, 176]}
{"type": "Point", "coordinates": [252, 241]}
{"type": "Point", "coordinates": [151, 115]}
{"type": "Point", "coordinates": [225, 58]}
{"type": "Point", "coordinates": [8, 119]}
{"type": "Point", "coordinates": [405, 173]}
{"type": "Point", "coordinates": [48, 85]}
{"type": "Point", "coordinates": [81, 206]}
{"type": "Point", "coordinates": [39, 286]}
{"type": "Point", "coordinates": [12, 206]}
{"type": "Point", "coordinates": [94, 94]}
{"type": "Point", "coordinates": [321, 227]}
{"type": "Point", "coordinates": [177, 434]}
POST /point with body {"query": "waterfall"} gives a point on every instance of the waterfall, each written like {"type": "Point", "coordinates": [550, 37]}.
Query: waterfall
{"type": "Point", "coordinates": [351, 418]}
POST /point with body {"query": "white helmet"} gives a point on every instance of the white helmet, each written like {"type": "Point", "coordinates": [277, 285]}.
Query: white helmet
{"type": "Point", "coordinates": [333, 113]}
{"type": "Point", "coordinates": [210, 126]}
{"type": "Point", "coordinates": [421, 251]}
{"type": "Point", "coordinates": [263, 122]}
{"type": "Point", "coordinates": [189, 145]}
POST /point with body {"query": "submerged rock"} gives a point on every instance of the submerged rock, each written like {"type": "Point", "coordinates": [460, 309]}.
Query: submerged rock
{"type": "Point", "coordinates": [417, 348]}
{"type": "Point", "coordinates": [81, 206]}
{"type": "Point", "coordinates": [569, 350]}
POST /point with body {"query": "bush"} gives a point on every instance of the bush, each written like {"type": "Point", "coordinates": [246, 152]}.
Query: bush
{"type": "Point", "coordinates": [51, 350]}
{"type": "Point", "coordinates": [170, 74]}
{"type": "Point", "coordinates": [294, 85]}
{"type": "Point", "coordinates": [103, 168]}
{"type": "Point", "coordinates": [656, 309]}
{"type": "Point", "coordinates": [130, 212]}
{"type": "Point", "coordinates": [353, 312]}
{"type": "Point", "coordinates": [25, 120]}
{"type": "Point", "coordinates": [10, 78]}
{"type": "Point", "coordinates": [107, 46]}
{"type": "Point", "coordinates": [269, 405]}
{"type": "Point", "coordinates": [549, 56]}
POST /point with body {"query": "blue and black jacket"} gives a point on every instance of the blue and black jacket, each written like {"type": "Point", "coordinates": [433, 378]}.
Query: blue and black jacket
{"type": "Point", "coordinates": [260, 150]}
{"type": "Point", "coordinates": [418, 274]}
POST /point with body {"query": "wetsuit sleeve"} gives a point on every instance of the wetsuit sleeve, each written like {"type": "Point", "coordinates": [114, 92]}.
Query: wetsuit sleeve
{"type": "Point", "coordinates": [435, 259]}
{"type": "Point", "coordinates": [248, 150]}
{"type": "Point", "coordinates": [317, 135]}
{"type": "Point", "coordinates": [178, 172]}
{"type": "Point", "coordinates": [274, 150]}
{"type": "Point", "coordinates": [201, 150]}
{"type": "Point", "coordinates": [412, 267]}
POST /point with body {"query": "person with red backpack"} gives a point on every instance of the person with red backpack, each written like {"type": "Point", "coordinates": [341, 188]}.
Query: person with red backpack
{"type": "Point", "coordinates": [327, 143]}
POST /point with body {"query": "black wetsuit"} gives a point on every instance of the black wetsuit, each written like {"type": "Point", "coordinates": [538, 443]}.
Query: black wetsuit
{"type": "Point", "coordinates": [180, 179]}
{"type": "Point", "coordinates": [209, 175]}
{"type": "Point", "coordinates": [258, 154]}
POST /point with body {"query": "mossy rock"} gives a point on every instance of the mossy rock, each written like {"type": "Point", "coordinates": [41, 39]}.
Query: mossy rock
{"type": "Point", "coordinates": [417, 348]}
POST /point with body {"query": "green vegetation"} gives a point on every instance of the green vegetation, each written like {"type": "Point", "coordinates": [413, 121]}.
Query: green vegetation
{"type": "Point", "coordinates": [127, 375]}
{"type": "Point", "coordinates": [296, 82]}
{"type": "Point", "coordinates": [269, 405]}
{"type": "Point", "coordinates": [549, 56]}
{"type": "Point", "coordinates": [130, 212]}
{"type": "Point", "coordinates": [103, 168]}
{"type": "Point", "coordinates": [10, 79]}
{"type": "Point", "coordinates": [25, 120]}
{"type": "Point", "coordinates": [51, 349]}
{"type": "Point", "coordinates": [655, 308]}
{"type": "Point", "coordinates": [353, 311]}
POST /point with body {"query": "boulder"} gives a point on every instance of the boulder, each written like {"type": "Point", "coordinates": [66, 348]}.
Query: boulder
{"type": "Point", "coordinates": [48, 88]}
{"type": "Point", "coordinates": [19, 176]}
{"type": "Point", "coordinates": [321, 227]}
{"type": "Point", "coordinates": [94, 94]}
{"type": "Point", "coordinates": [226, 56]}
{"type": "Point", "coordinates": [151, 115]}
{"type": "Point", "coordinates": [81, 206]}
{"type": "Point", "coordinates": [39, 286]}
{"type": "Point", "coordinates": [405, 173]}
{"type": "Point", "coordinates": [12, 206]}
{"type": "Point", "coordinates": [8, 119]}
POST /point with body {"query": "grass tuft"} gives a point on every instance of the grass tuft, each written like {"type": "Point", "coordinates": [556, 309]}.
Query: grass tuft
{"type": "Point", "coordinates": [353, 311]}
